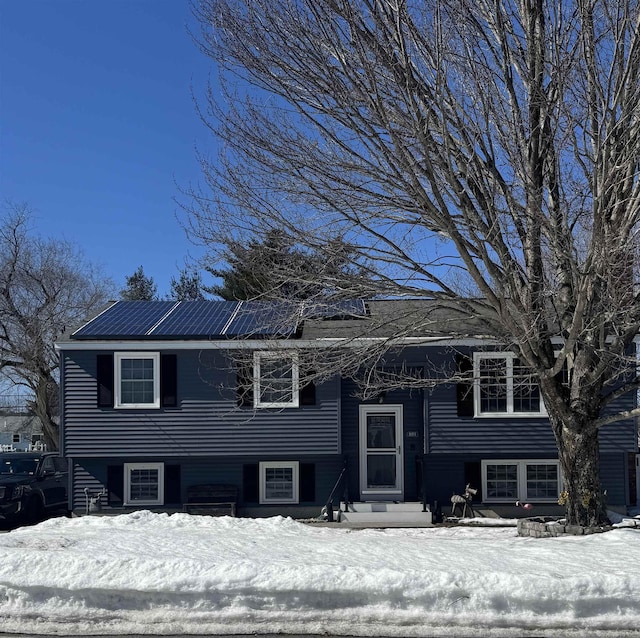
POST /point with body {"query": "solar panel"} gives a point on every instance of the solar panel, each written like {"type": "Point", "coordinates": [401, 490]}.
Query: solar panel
{"type": "Point", "coordinates": [125, 319]}
{"type": "Point", "coordinates": [196, 319]}
{"type": "Point", "coordinates": [262, 318]}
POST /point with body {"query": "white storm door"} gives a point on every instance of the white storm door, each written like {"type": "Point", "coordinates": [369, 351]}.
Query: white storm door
{"type": "Point", "coordinates": [381, 466]}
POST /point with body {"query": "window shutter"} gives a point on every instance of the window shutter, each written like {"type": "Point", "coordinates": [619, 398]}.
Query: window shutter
{"type": "Point", "coordinates": [244, 386]}
{"type": "Point", "coordinates": [250, 481]}
{"type": "Point", "coordinates": [168, 381]}
{"type": "Point", "coordinates": [104, 378]}
{"type": "Point", "coordinates": [307, 482]}
{"type": "Point", "coordinates": [307, 391]}
{"type": "Point", "coordinates": [464, 389]}
{"type": "Point", "coordinates": [115, 484]}
{"type": "Point", "coordinates": [172, 487]}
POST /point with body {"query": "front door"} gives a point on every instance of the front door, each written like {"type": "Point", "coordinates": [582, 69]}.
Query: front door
{"type": "Point", "coordinates": [381, 466]}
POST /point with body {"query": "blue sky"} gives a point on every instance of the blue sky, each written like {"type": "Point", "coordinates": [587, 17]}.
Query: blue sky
{"type": "Point", "coordinates": [97, 125]}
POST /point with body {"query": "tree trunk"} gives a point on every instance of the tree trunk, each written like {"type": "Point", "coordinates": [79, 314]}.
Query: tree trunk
{"type": "Point", "coordinates": [45, 400]}
{"type": "Point", "coordinates": [579, 455]}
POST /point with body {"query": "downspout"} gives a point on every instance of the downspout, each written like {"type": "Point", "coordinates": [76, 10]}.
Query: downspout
{"type": "Point", "coordinates": [425, 446]}
{"type": "Point", "coordinates": [61, 432]}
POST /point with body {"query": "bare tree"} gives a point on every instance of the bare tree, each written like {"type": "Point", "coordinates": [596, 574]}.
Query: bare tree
{"type": "Point", "coordinates": [46, 286]}
{"type": "Point", "coordinates": [469, 149]}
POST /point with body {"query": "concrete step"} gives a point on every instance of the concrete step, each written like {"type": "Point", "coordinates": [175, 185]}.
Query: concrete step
{"type": "Point", "coordinates": [384, 513]}
{"type": "Point", "coordinates": [386, 518]}
{"type": "Point", "coordinates": [383, 506]}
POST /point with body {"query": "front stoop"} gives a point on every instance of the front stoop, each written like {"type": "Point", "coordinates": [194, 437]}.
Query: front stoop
{"type": "Point", "coordinates": [384, 513]}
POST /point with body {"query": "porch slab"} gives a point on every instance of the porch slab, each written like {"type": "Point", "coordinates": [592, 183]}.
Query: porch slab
{"type": "Point", "coordinates": [383, 506]}
{"type": "Point", "coordinates": [386, 518]}
{"type": "Point", "coordinates": [384, 513]}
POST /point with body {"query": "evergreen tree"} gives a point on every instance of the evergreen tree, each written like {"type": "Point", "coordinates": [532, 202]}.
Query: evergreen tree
{"type": "Point", "coordinates": [139, 287]}
{"type": "Point", "coordinates": [263, 269]}
{"type": "Point", "coordinates": [188, 287]}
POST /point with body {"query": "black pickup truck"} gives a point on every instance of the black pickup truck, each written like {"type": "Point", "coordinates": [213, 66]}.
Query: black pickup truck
{"type": "Point", "coordinates": [32, 484]}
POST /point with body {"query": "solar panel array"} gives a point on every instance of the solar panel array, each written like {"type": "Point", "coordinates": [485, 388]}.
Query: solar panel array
{"type": "Point", "coordinates": [196, 319]}
{"type": "Point", "coordinates": [209, 319]}
{"type": "Point", "coordinates": [125, 319]}
{"type": "Point", "coordinates": [263, 318]}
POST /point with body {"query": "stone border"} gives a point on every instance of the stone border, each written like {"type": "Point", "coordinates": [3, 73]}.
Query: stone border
{"type": "Point", "coordinates": [548, 527]}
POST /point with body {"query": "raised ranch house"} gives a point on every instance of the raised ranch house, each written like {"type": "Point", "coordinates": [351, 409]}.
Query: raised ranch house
{"type": "Point", "coordinates": [161, 398]}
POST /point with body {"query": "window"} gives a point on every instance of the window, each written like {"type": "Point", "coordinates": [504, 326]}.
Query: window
{"type": "Point", "coordinates": [279, 482]}
{"type": "Point", "coordinates": [60, 464]}
{"type": "Point", "coordinates": [137, 380]}
{"type": "Point", "coordinates": [143, 483]}
{"type": "Point", "coordinates": [16, 438]}
{"type": "Point", "coordinates": [527, 480]}
{"type": "Point", "coordinates": [48, 466]}
{"type": "Point", "coordinates": [504, 386]}
{"type": "Point", "coordinates": [275, 382]}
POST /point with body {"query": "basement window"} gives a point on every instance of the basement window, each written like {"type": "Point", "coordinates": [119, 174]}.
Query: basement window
{"type": "Point", "coordinates": [143, 483]}
{"type": "Point", "coordinates": [521, 480]}
{"type": "Point", "coordinates": [279, 482]}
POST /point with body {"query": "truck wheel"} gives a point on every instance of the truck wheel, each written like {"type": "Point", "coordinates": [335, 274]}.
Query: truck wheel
{"type": "Point", "coordinates": [33, 511]}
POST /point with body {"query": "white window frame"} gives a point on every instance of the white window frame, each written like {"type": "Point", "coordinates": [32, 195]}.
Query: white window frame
{"type": "Point", "coordinates": [128, 467]}
{"type": "Point", "coordinates": [118, 358]}
{"type": "Point", "coordinates": [295, 374]}
{"type": "Point", "coordinates": [295, 467]}
{"type": "Point", "coordinates": [509, 358]}
{"type": "Point", "coordinates": [521, 490]}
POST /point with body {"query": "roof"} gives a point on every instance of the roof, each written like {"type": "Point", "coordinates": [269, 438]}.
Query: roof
{"type": "Point", "coordinates": [400, 318]}
{"type": "Point", "coordinates": [238, 320]}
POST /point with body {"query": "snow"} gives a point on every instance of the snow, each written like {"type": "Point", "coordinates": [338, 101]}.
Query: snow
{"type": "Point", "coordinates": [148, 573]}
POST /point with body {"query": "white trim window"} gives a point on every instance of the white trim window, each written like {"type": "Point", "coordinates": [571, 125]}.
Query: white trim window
{"type": "Point", "coordinates": [504, 386]}
{"type": "Point", "coordinates": [137, 380]}
{"type": "Point", "coordinates": [279, 482]}
{"type": "Point", "coordinates": [275, 381]}
{"type": "Point", "coordinates": [144, 483]}
{"type": "Point", "coordinates": [528, 480]}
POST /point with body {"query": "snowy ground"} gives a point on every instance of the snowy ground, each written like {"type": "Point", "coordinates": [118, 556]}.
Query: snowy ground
{"type": "Point", "coordinates": [145, 573]}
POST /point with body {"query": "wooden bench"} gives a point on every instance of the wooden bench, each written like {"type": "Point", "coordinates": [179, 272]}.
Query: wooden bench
{"type": "Point", "coordinates": [212, 499]}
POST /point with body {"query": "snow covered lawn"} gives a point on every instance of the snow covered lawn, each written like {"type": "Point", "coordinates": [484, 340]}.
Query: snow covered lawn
{"type": "Point", "coordinates": [148, 573]}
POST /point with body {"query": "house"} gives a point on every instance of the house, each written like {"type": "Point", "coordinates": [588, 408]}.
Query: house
{"type": "Point", "coordinates": [160, 397]}
{"type": "Point", "coordinates": [20, 430]}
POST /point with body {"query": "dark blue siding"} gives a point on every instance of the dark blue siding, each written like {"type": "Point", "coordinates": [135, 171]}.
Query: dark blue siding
{"type": "Point", "coordinates": [447, 474]}
{"type": "Point", "coordinates": [614, 478]}
{"type": "Point", "coordinates": [211, 438]}
{"type": "Point", "coordinates": [91, 473]}
{"type": "Point", "coordinates": [453, 444]}
{"type": "Point", "coordinates": [206, 421]}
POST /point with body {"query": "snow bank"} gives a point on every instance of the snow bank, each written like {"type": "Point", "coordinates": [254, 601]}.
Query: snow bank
{"type": "Point", "coordinates": [150, 573]}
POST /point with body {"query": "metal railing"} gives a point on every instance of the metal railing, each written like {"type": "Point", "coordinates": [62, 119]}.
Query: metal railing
{"type": "Point", "coordinates": [328, 508]}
